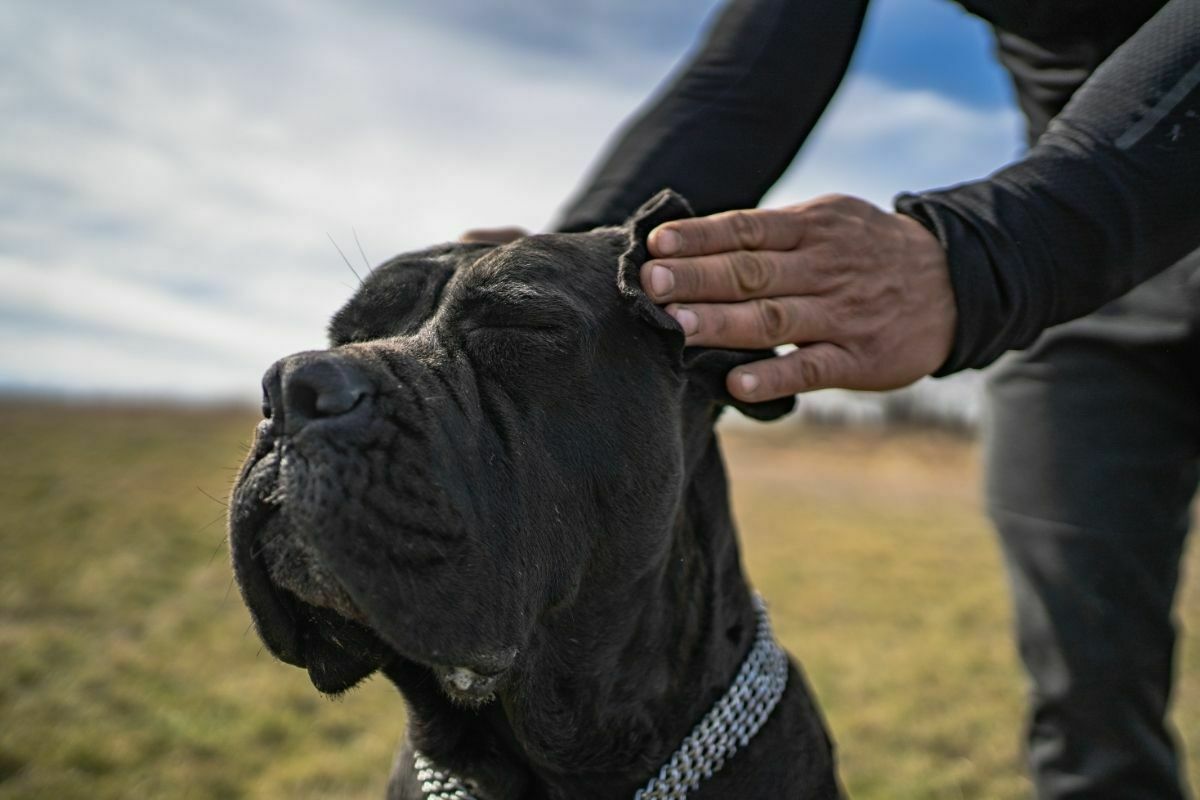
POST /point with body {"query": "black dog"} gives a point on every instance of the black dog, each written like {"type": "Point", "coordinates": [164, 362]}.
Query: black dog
{"type": "Point", "coordinates": [502, 489]}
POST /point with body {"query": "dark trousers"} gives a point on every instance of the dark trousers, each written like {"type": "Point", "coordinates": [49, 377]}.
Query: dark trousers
{"type": "Point", "coordinates": [1092, 453]}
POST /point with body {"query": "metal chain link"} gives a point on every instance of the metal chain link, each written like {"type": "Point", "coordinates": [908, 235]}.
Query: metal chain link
{"type": "Point", "coordinates": [438, 785]}
{"type": "Point", "coordinates": [731, 723]}
{"type": "Point", "coordinates": [728, 726]}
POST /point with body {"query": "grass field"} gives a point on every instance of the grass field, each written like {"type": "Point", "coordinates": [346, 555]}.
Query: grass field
{"type": "Point", "coordinates": [127, 668]}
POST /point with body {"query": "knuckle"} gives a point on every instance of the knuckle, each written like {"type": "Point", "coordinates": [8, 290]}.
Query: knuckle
{"type": "Point", "coordinates": [832, 200]}
{"type": "Point", "coordinates": [859, 301]}
{"type": "Point", "coordinates": [855, 303]}
{"type": "Point", "coordinates": [716, 322]}
{"type": "Point", "coordinates": [775, 377]}
{"type": "Point", "coordinates": [690, 281]}
{"type": "Point", "coordinates": [820, 219]}
{"type": "Point", "coordinates": [841, 211]}
{"type": "Point", "coordinates": [686, 280]}
{"type": "Point", "coordinates": [843, 203]}
{"type": "Point", "coordinates": [750, 273]}
{"type": "Point", "coordinates": [827, 264]}
{"type": "Point", "coordinates": [770, 377]}
{"type": "Point", "coordinates": [809, 371]}
{"type": "Point", "coordinates": [774, 319]}
{"type": "Point", "coordinates": [700, 235]}
{"type": "Point", "coordinates": [748, 230]}
{"type": "Point", "coordinates": [871, 346]}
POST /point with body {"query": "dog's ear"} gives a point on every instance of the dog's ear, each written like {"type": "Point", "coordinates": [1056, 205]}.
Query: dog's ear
{"type": "Point", "coordinates": [705, 367]}
{"type": "Point", "coordinates": [400, 294]}
{"type": "Point", "coordinates": [663, 207]}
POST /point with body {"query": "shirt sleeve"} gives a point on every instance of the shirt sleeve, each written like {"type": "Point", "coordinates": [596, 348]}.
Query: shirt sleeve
{"type": "Point", "coordinates": [727, 126]}
{"type": "Point", "coordinates": [1107, 197]}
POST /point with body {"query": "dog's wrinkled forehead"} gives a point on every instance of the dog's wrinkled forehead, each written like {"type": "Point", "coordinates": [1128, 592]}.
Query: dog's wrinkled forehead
{"type": "Point", "coordinates": [571, 274]}
{"type": "Point", "coordinates": [559, 278]}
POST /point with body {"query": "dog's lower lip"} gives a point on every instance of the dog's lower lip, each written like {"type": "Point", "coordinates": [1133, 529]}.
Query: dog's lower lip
{"type": "Point", "coordinates": [297, 571]}
{"type": "Point", "coordinates": [273, 613]}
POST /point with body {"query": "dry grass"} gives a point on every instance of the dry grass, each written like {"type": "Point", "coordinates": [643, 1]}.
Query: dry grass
{"type": "Point", "coordinates": [127, 668]}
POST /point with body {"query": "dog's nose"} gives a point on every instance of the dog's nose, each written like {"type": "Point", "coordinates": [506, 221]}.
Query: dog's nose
{"type": "Point", "coordinates": [309, 386]}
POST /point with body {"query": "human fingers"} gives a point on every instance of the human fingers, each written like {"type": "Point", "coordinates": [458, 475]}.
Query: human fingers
{"type": "Point", "coordinates": [764, 322]}
{"type": "Point", "coordinates": [748, 229]}
{"type": "Point", "coordinates": [728, 277]}
{"type": "Point", "coordinates": [493, 235]}
{"type": "Point", "coordinates": [816, 366]}
{"type": "Point", "coordinates": [889, 326]}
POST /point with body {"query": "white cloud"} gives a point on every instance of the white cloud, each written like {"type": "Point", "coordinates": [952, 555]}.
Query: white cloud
{"type": "Point", "coordinates": [876, 141]}
{"type": "Point", "coordinates": [168, 173]}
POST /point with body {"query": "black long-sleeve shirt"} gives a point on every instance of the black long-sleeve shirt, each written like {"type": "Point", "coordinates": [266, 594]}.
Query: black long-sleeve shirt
{"type": "Point", "coordinates": [1108, 195]}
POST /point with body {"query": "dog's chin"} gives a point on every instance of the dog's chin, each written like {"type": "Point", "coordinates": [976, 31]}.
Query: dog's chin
{"type": "Point", "coordinates": [338, 653]}
{"type": "Point", "coordinates": [342, 646]}
{"type": "Point", "coordinates": [307, 618]}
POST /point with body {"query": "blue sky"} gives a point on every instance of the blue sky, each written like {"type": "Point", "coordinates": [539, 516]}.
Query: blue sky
{"type": "Point", "coordinates": [169, 173]}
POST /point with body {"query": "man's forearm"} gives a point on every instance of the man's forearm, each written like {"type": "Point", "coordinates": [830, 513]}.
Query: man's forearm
{"type": "Point", "coordinates": [728, 126]}
{"type": "Point", "coordinates": [1108, 197]}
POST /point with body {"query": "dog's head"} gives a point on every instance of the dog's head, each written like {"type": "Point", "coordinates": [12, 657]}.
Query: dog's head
{"type": "Point", "coordinates": [490, 425]}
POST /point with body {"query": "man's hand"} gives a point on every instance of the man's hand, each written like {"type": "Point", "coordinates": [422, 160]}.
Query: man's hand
{"type": "Point", "coordinates": [493, 235]}
{"type": "Point", "coordinates": [864, 295]}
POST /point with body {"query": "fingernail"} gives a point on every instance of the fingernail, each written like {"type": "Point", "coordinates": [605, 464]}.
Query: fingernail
{"type": "Point", "coordinates": [687, 320]}
{"type": "Point", "coordinates": [662, 281]}
{"type": "Point", "coordinates": [666, 243]}
{"type": "Point", "coordinates": [748, 381]}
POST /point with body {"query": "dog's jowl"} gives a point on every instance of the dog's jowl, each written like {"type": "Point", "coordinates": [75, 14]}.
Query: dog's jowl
{"type": "Point", "coordinates": [500, 488]}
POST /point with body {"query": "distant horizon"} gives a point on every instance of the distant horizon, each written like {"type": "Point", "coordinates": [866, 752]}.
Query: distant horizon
{"type": "Point", "coordinates": [953, 405]}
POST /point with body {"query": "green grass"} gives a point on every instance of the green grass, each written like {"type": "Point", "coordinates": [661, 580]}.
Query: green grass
{"type": "Point", "coordinates": [128, 669]}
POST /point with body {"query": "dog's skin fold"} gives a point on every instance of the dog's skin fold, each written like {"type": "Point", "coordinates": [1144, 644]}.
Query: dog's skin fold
{"type": "Point", "coordinates": [501, 488]}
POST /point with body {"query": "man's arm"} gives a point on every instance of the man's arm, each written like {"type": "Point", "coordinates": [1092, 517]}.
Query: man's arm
{"type": "Point", "coordinates": [729, 124]}
{"type": "Point", "coordinates": [1107, 198]}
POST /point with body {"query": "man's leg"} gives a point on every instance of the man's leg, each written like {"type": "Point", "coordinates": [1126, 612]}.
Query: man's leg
{"type": "Point", "coordinates": [1092, 463]}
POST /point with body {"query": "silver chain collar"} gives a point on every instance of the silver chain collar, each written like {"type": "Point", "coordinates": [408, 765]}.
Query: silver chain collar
{"type": "Point", "coordinates": [728, 726]}
{"type": "Point", "coordinates": [438, 785]}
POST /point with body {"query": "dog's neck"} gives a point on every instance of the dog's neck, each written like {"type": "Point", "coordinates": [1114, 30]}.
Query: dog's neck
{"type": "Point", "coordinates": [610, 687]}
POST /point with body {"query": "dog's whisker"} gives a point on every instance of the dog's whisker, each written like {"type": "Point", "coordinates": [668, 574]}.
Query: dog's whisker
{"type": "Point", "coordinates": [366, 261]}
{"type": "Point", "coordinates": [216, 550]}
{"type": "Point", "coordinates": [209, 524]}
{"type": "Point", "coordinates": [343, 255]}
{"type": "Point", "coordinates": [221, 503]}
{"type": "Point", "coordinates": [266, 542]}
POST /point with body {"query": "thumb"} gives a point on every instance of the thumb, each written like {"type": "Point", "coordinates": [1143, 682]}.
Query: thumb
{"type": "Point", "coordinates": [815, 366]}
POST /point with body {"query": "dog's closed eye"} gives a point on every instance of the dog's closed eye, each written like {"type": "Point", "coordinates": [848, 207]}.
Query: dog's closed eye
{"type": "Point", "coordinates": [521, 310]}
{"type": "Point", "coordinates": [505, 347]}
{"type": "Point", "coordinates": [505, 330]}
